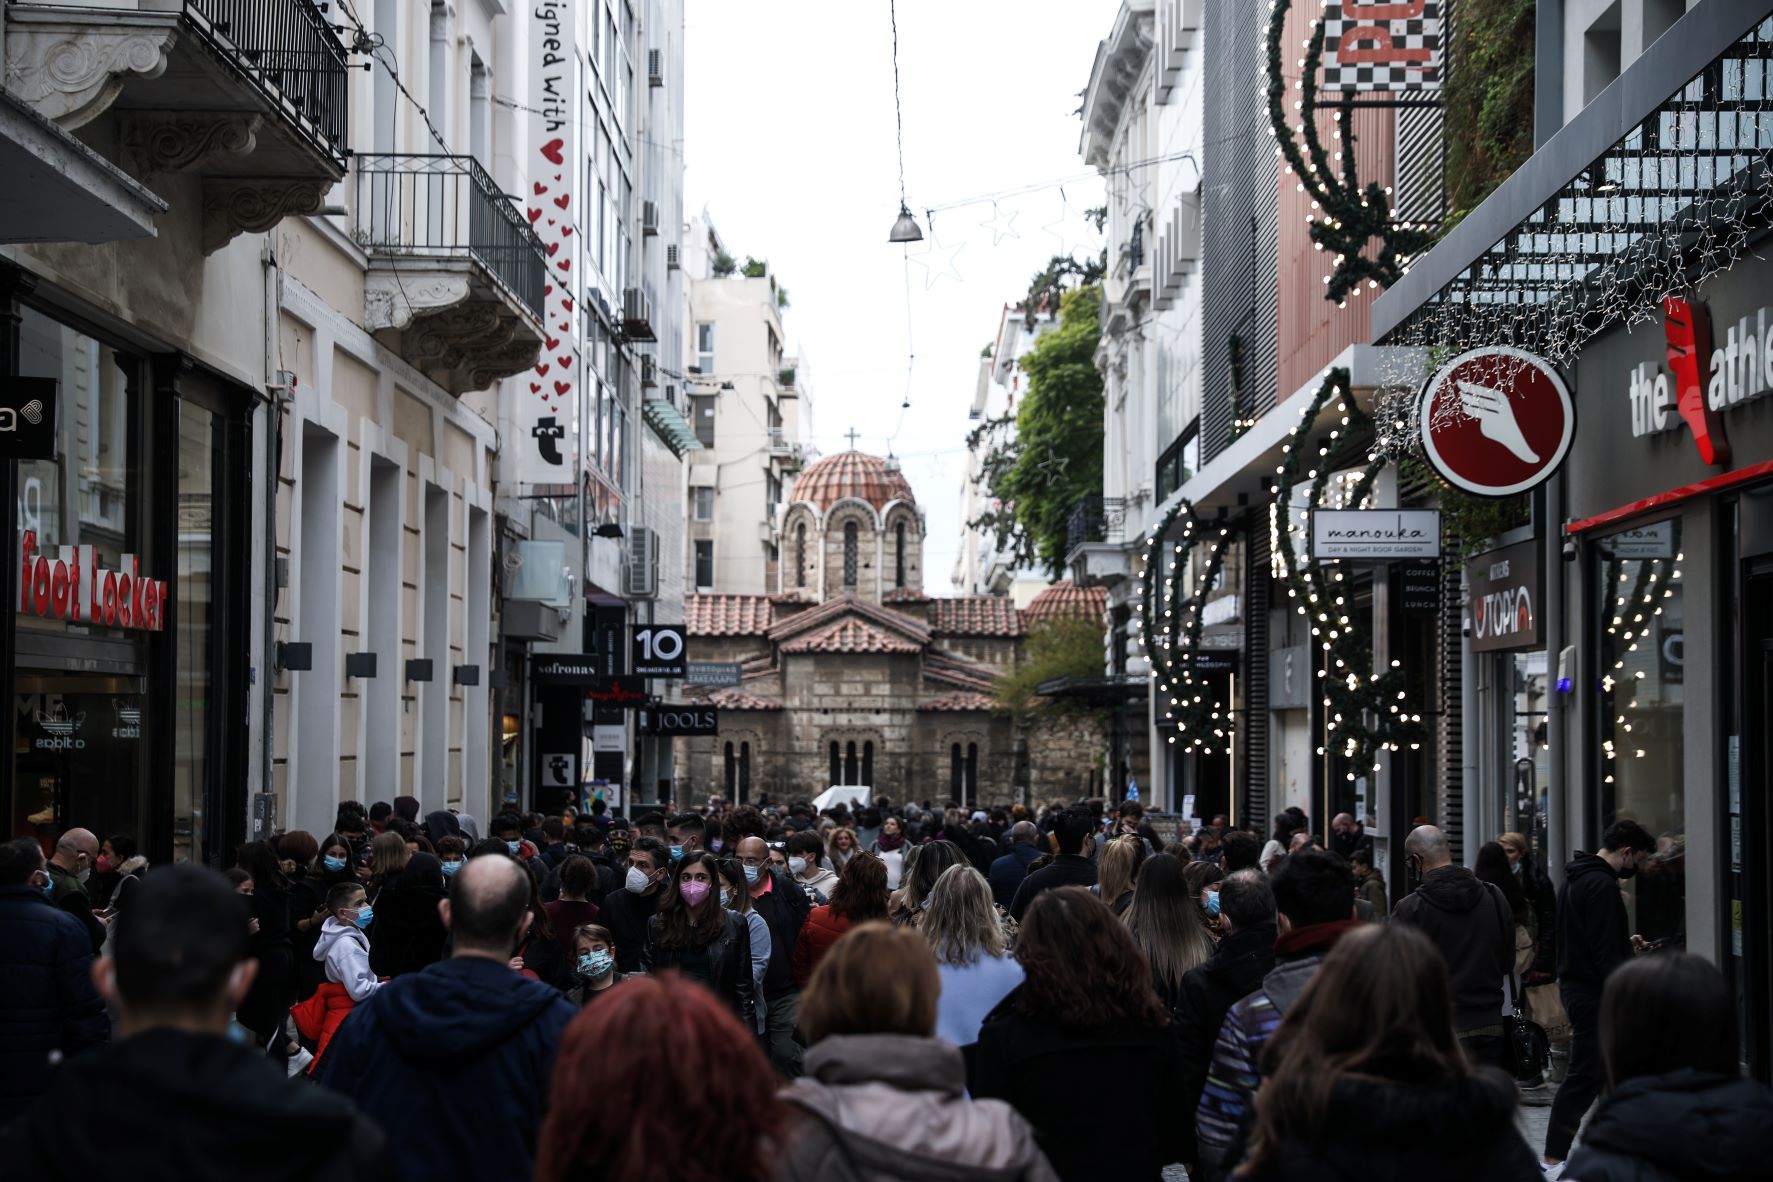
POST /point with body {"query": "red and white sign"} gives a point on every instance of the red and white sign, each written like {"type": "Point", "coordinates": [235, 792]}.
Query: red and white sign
{"type": "Point", "coordinates": [1496, 421]}
{"type": "Point", "coordinates": [72, 586]}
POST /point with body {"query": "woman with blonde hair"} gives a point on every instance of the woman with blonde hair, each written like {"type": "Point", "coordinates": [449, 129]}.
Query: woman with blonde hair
{"type": "Point", "coordinates": [1119, 869]}
{"type": "Point", "coordinates": [882, 1097]}
{"type": "Point", "coordinates": [1167, 925]}
{"type": "Point", "coordinates": [841, 846]}
{"type": "Point", "coordinates": [962, 925]}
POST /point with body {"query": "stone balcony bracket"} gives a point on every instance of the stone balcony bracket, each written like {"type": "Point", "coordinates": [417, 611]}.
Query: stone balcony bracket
{"type": "Point", "coordinates": [71, 68]}
{"type": "Point", "coordinates": [461, 333]}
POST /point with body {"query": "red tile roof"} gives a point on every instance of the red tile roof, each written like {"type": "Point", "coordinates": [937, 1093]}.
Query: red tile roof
{"type": "Point", "coordinates": [851, 635]}
{"type": "Point", "coordinates": [1067, 601]}
{"type": "Point", "coordinates": [911, 627]}
{"type": "Point", "coordinates": [905, 595]}
{"type": "Point", "coordinates": [851, 474]}
{"type": "Point", "coordinates": [947, 669]}
{"type": "Point", "coordinates": [727, 615]}
{"type": "Point", "coordinates": [738, 699]}
{"type": "Point", "coordinates": [959, 701]}
{"type": "Point", "coordinates": [976, 615]}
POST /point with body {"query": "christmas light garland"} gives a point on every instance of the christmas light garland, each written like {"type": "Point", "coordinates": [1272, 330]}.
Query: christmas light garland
{"type": "Point", "coordinates": [1352, 216]}
{"type": "Point", "coordinates": [1366, 714]}
{"type": "Point", "coordinates": [1201, 718]}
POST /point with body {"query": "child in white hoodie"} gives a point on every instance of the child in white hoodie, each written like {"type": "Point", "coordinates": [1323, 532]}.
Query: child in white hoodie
{"type": "Point", "coordinates": [343, 945]}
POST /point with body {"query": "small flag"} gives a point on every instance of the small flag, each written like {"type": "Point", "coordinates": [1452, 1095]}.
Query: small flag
{"type": "Point", "coordinates": [1132, 787]}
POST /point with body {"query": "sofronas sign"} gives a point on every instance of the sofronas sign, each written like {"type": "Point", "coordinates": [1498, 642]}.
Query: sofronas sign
{"type": "Point", "coordinates": [72, 585]}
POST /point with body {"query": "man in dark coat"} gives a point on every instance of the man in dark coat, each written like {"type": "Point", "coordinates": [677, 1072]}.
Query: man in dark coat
{"type": "Point", "coordinates": [1593, 938]}
{"type": "Point", "coordinates": [76, 853]}
{"type": "Point", "coordinates": [1473, 926]}
{"type": "Point", "coordinates": [1235, 970]}
{"type": "Point", "coordinates": [784, 908]}
{"type": "Point", "coordinates": [1008, 871]}
{"type": "Point", "coordinates": [626, 910]}
{"type": "Point", "coordinates": [1072, 866]}
{"type": "Point", "coordinates": [174, 1096]}
{"type": "Point", "coordinates": [47, 1002]}
{"type": "Point", "coordinates": [457, 1056]}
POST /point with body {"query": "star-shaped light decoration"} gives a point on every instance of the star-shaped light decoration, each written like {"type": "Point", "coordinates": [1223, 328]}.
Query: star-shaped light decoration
{"type": "Point", "coordinates": [1052, 466]}
{"type": "Point", "coordinates": [1002, 225]}
{"type": "Point", "coordinates": [937, 261]}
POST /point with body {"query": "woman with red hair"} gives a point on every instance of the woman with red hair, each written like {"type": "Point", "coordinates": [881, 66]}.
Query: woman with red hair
{"type": "Point", "coordinates": [614, 1113]}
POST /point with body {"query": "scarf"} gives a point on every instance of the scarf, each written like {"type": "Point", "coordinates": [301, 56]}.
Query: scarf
{"type": "Point", "coordinates": [1315, 937]}
{"type": "Point", "coordinates": [890, 841]}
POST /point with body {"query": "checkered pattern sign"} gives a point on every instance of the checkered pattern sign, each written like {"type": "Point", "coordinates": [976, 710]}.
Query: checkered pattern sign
{"type": "Point", "coordinates": [1382, 46]}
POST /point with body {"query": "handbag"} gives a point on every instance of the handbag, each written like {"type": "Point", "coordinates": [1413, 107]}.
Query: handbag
{"type": "Point", "coordinates": [1528, 1049]}
{"type": "Point", "coordinates": [1545, 1005]}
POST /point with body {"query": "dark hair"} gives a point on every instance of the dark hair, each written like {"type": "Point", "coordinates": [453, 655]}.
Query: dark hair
{"type": "Point", "coordinates": [607, 1076]}
{"type": "Point", "coordinates": [653, 848]}
{"type": "Point", "coordinates": [296, 846]}
{"type": "Point", "coordinates": [1239, 851]}
{"type": "Point", "coordinates": [1081, 968]}
{"type": "Point", "coordinates": [123, 845]}
{"type": "Point", "coordinates": [1072, 828]}
{"type": "Point", "coordinates": [22, 857]}
{"type": "Point", "coordinates": [185, 933]}
{"type": "Point", "coordinates": [1313, 886]}
{"type": "Point", "coordinates": [1636, 1034]}
{"type": "Point", "coordinates": [689, 824]}
{"type": "Point", "coordinates": [932, 859]}
{"type": "Point", "coordinates": [1627, 835]}
{"type": "Point", "coordinates": [341, 894]}
{"type": "Point", "coordinates": [1378, 1008]}
{"type": "Point", "coordinates": [334, 839]}
{"type": "Point", "coordinates": [423, 872]}
{"type": "Point", "coordinates": [679, 925]}
{"type": "Point", "coordinates": [484, 916]}
{"type": "Point", "coordinates": [506, 823]}
{"type": "Point", "coordinates": [1361, 857]}
{"type": "Point", "coordinates": [1285, 825]}
{"type": "Point", "coordinates": [453, 844]}
{"type": "Point", "coordinates": [577, 874]}
{"type": "Point", "coordinates": [807, 842]}
{"type": "Point", "coordinates": [236, 877]}
{"type": "Point", "coordinates": [554, 829]}
{"type": "Point", "coordinates": [258, 859]}
{"type": "Point", "coordinates": [1492, 867]}
{"type": "Point", "coordinates": [488, 846]}
{"type": "Point", "coordinates": [861, 890]}
{"type": "Point", "coordinates": [1246, 899]}
{"type": "Point", "coordinates": [1200, 876]}
{"type": "Point", "coordinates": [380, 811]}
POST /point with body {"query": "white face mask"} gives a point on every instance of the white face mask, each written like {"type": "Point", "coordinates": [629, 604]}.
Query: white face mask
{"type": "Point", "coordinates": [637, 880]}
{"type": "Point", "coordinates": [797, 865]}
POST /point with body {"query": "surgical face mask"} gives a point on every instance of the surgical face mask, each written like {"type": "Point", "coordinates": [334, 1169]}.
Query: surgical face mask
{"type": "Point", "coordinates": [1212, 902]}
{"type": "Point", "coordinates": [365, 916]}
{"type": "Point", "coordinates": [716, 844]}
{"type": "Point", "coordinates": [85, 873]}
{"type": "Point", "coordinates": [1515, 869]}
{"type": "Point", "coordinates": [48, 886]}
{"type": "Point", "coordinates": [693, 892]}
{"type": "Point", "coordinates": [726, 896]}
{"type": "Point", "coordinates": [514, 846]}
{"type": "Point", "coordinates": [596, 963]}
{"type": "Point", "coordinates": [637, 880]}
{"type": "Point", "coordinates": [751, 873]}
{"type": "Point", "coordinates": [450, 868]}
{"type": "Point", "coordinates": [797, 865]}
{"type": "Point", "coordinates": [333, 864]}
{"type": "Point", "coordinates": [677, 853]}
{"type": "Point", "coordinates": [104, 865]}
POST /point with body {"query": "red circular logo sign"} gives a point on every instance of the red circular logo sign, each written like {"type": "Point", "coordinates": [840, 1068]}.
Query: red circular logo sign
{"type": "Point", "coordinates": [1496, 421]}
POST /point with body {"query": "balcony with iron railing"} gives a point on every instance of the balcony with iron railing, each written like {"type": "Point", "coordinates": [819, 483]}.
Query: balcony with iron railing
{"type": "Point", "coordinates": [249, 95]}
{"type": "Point", "coordinates": [1096, 542]}
{"type": "Point", "coordinates": [456, 274]}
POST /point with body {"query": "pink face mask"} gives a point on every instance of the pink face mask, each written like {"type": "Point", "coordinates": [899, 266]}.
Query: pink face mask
{"type": "Point", "coordinates": [693, 892]}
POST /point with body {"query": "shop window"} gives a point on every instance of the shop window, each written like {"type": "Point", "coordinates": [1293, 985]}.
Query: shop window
{"type": "Point", "coordinates": [1642, 687]}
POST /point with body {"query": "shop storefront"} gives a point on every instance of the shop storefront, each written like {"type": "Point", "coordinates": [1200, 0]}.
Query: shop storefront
{"type": "Point", "coordinates": [127, 642]}
{"type": "Point", "coordinates": [1669, 594]}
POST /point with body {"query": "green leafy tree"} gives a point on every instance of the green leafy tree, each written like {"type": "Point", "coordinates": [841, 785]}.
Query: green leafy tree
{"type": "Point", "coordinates": [724, 265]}
{"type": "Point", "coordinates": [754, 268]}
{"type": "Point", "coordinates": [1058, 648]}
{"type": "Point", "coordinates": [1489, 94]}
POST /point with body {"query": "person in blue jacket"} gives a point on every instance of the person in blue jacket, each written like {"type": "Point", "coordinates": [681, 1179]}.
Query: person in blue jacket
{"type": "Point", "coordinates": [454, 1060]}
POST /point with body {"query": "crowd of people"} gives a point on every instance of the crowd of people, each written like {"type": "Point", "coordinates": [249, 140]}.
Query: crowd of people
{"type": "Point", "coordinates": [886, 992]}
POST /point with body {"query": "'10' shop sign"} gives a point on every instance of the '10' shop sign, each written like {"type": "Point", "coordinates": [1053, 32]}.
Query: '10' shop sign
{"type": "Point", "coordinates": [72, 586]}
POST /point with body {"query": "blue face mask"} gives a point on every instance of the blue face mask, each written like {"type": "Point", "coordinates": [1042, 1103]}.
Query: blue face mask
{"type": "Point", "coordinates": [365, 916]}
{"type": "Point", "coordinates": [595, 964]}
{"type": "Point", "coordinates": [1515, 869]}
{"type": "Point", "coordinates": [333, 864]}
{"type": "Point", "coordinates": [48, 887]}
{"type": "Point", "coordinates": [677, 853]}
{"type": "Point", "coordinates": [751, 873]}
{"type": "Point", "coordinates": [1212, 903]}
{"type": "Point", "coordinates": [450, 868]}
{"type": "Point", "coordinates": [514, 846]}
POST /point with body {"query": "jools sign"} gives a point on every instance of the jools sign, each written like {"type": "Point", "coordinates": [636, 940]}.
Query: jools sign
{"type": "Point", "coordinates": [72, 586]}
{"type": "Point", "coordinates": [681, 720]}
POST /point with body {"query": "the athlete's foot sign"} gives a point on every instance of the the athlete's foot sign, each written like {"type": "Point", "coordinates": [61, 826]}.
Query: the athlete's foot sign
{"type": "Point", "coordinates": [1495, 416]}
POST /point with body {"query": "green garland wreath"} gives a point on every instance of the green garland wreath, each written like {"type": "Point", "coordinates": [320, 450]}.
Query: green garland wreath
{"type": "Point", "coordinates": [1202, 720]}
{"type": "Point", "coordinates": [1368, 713]}
{"type": "Point", "coordinates": [1352, 216]}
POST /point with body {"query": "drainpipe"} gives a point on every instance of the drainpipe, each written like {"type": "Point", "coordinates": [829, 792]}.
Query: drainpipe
{"type": "Point", "coordinates": [1471, 720]}
{"type": "Point", "coordinates": [273, 434]}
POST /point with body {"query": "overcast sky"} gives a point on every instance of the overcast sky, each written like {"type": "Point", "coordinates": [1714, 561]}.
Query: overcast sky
{"type": "Point", "coordinates": [789, 145]}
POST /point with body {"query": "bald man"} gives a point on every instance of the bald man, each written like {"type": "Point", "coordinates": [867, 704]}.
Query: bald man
{"type": "Point", "coordinates": [76, 852]}
{"type": "Point", "coordinates": [1472, 925]}
{"type": "Point", "coordinates": [459, 1053]}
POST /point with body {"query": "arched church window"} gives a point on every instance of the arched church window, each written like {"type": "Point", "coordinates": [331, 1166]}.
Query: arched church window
{"type": "Point", "coordinates": [850, 770]}
{"type": "Point", "coordinates": [954, 780]}
{"type": "Point", "coordinates": [732, 781]}
{"type": "Point", "coordinates": [836, 763]}
{"type": "Point", "coordinates": [972, 787]}
{"type": "Point", "coordinates": [867, 764]}
{"type": "Point", "coordinates": [800, 555]}
{"type": "Point", "coordinates": [852, 547]}
{"type": "Point", "coordinates": [744, 772]}
{"type": "Point", "coordinates": [899, 554]}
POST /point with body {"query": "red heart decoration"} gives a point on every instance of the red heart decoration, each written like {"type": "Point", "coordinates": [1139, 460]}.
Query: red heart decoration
{"type": "Point", "coordinates": [550, 221]}
{"type": "Point", "coordinates": [542, 370]}
{"type": "Point", "coordinates": [551, 150]}
{"type": "Point", "coordinates": [547, 289]}
{"type": "Point", "coordinates": [565, 264]}
{"type": "Point", "coordinates": [563, 200]}
{"type": "Point", "coordinates": [568, 301]}
{"type": "Point", "coordinates": [556, 176]}
{"type": "Point", "coordinates": [566, 231]}
{"type": "Point", "coordinates": [535, 387]}
{"type": "Point", "coordinates": [562, 387]}
{"type": "Point", "coordinates": [553, 249]}
{"type": "Point", "coordinates": [553, 344]}
{"type": "Point", "coordinates": [540, 188]}
{"type": "Point", "coordinates": [565, 362]}
{"type": "Point", "coordinates": [533, 215]}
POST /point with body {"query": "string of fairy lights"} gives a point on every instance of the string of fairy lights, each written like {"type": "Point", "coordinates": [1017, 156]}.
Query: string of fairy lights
{"type": "Point", "coordinates": [1633, 616]}
{"type": "Point", "coordinates": [1193, 706]}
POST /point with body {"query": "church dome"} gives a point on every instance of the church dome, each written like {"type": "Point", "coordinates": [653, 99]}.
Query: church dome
{"type": "Point", "coordinates": [851, 474]}
{"type": "Point", "coordinates": [1066, 601]}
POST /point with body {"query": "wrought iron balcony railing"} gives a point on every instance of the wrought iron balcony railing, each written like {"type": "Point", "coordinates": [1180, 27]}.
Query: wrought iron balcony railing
{"type": "Point", "coordinates": [1097, 519]}
{"type": "Point", "coordinates": [447, 207]}
{"type": "Point", "coordinates": [286, 49]}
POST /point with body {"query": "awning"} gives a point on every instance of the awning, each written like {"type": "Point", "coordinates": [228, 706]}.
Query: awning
{"type": "Point", "coordinates": [671, 426]}
{"type": "Point", "coordinates": [1107, 690]}
{"type": "Point", "coordinates": [59, 190]}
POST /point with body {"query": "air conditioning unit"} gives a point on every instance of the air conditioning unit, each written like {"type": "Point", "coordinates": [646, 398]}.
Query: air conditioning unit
{"type": "Point", "coordinates": [655, 67]}
{"type": "Point", "coordinates": [649, 219]}
{"type": "Point", "coordinates": [640, 573]}
{"type": "Point", "coordinates": [649, 370]}
{"type": "Point", "coordinates": [671, 260]}
{"type": "Point", "coordinates": [637, 315]}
